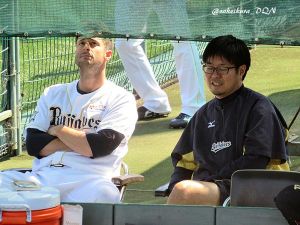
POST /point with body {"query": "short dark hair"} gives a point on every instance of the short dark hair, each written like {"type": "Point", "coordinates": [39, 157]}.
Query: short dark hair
{"type": "Point", "coordinates": [106, 41]}
{"type": "Point", "coordinates": [231, 48]}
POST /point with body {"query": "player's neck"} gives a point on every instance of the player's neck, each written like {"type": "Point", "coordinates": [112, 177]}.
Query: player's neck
{"type": "Point", "coordinates": [91, 82]}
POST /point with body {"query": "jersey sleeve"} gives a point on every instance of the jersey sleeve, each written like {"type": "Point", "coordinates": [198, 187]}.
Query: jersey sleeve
{"type": "Point", "coordinates": [183, 156]}
{"type": "Point", "coordinates": [36, 140]}
{"type": "Point", "coordinates": [265, 135]}
{"type": "Point", "coordinates": [121, 116]}
{"type": "Point", "coordinates": [104, 142]}
{"type": "Point", "coordinates": [244, 162]}
{"type": "Point", "coordinates": [40, 119]}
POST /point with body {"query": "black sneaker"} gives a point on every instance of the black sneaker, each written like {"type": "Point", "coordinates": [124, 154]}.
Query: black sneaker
{"type": "Point", "coordinates": [146, 114]}
{"type": "Point", "coordinates": [180, 121]}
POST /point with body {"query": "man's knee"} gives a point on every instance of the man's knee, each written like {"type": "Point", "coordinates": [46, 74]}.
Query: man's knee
{"type": "Point", "coordinates": [108, 194]}
{"type": "Point", "coordinates": [195, 192]}
{"type": "Point", "coordinates": [92, 192]}
{"type": "Point", "coordinates": [182, 191]}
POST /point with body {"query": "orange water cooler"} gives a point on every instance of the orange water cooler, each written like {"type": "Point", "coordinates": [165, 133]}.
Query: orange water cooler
{"type": "Point", "coordinates": [38, 207]}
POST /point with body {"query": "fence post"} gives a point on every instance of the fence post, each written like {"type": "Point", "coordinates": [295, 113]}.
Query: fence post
{"type": "Point", "coordinates": [12, 91]}
{"type": "Point", "coordinates": [14, 83]}
{"type": "Point", "coordinates": [18, 98]}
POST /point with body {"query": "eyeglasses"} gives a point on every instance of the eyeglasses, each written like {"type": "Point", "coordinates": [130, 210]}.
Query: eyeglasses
{"type": "Point", "coordinates": [223, 70]}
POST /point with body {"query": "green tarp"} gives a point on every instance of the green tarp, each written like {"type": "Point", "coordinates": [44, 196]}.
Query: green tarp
{"type": "Point", "coordinates": [256, 21]}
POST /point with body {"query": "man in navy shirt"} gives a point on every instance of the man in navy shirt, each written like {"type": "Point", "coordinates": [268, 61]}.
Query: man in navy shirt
{"type": "Point", "coordinates": [238, 129]}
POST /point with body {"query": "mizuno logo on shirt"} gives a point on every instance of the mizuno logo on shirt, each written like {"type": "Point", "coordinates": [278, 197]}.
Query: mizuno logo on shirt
{"type": "Point", "coordinates": [211, 124]}
{"type": "Point", "coordinates": [220, 145]}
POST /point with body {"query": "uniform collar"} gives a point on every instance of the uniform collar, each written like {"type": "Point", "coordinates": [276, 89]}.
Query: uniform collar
{"type": "Point", "coordinates": [229, 98]}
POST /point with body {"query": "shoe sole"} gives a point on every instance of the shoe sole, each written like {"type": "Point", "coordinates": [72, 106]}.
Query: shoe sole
{"type": "Point", "coordinates": [177, 127]}
{"type": "Point", "coordinates": [154, 117]}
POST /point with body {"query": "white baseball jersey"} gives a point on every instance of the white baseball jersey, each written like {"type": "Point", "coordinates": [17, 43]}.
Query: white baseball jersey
{"type": "Point", "coordinates": [81, 179]}
{"type": "Point", "coordinates": [109, 107]}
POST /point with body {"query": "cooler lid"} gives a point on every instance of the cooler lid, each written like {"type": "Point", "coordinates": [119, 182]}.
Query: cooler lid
{"type": "Point", "coordinates": [37, 198]}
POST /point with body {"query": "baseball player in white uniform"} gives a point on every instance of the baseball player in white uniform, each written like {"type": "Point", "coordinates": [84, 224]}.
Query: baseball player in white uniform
{"type": "Point", "coordinates": [131, 17]}
{"type": "Point", "coordinates": [80, 131]}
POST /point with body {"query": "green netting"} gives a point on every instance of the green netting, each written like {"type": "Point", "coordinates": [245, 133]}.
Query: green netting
{"type": "Point", "coordinates": [4, 67]}
{"type": "Point", "coordinates": [255, 21]}
{"type": "Point", "coordinates": [3, 73]}
{"type": "Point", "coordinates": [48, 61]}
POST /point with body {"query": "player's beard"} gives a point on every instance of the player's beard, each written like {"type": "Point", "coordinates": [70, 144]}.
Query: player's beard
{"type": "Point", "coordinates": [82, 60]}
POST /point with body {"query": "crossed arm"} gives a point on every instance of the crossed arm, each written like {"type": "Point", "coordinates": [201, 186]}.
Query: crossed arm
{"type": "Point", "coordinates": [62, 138]}
{"type": "Point", "coordinates": [68, 139]}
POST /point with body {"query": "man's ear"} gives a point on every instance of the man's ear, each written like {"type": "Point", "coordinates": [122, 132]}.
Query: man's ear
{"type": "Point", "coordinates": [242, 70]}
{"type": "Point", "coordinates": [108, 54]}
